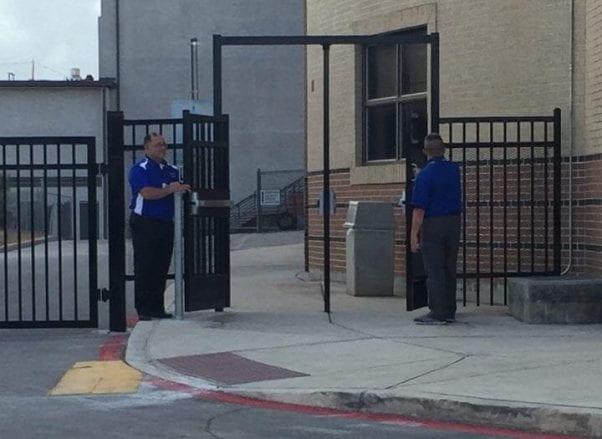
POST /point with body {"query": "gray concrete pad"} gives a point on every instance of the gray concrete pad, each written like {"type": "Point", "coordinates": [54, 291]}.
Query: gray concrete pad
{"type": "Point", "coordinates": [486, 368]}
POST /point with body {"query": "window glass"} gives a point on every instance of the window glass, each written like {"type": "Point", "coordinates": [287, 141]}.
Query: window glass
{"type": "Point", "coordinates": [382, 72]}
{"type": "Point", "coordinates": [382, 142]}
{"type": "Point", "coordinates": [413, 68]}
{"type": "Point", "coordinates": [414, 123]}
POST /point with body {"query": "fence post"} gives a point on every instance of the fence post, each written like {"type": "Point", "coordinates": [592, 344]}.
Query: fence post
{"type": "Point", "coordinates": [306, 223]}
{"type": "Point", "coordinates": [258, 203]}
{"type": "Point", "coordinates": [117, 317]}
{"type": "Point", "coordinates": [557, 190]}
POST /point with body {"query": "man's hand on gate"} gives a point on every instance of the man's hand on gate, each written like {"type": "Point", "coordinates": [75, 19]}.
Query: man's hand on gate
{"type": "Point", "coordinates": [178, 187]}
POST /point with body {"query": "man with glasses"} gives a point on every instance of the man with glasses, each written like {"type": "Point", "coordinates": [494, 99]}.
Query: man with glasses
{"type": "Point", "coordinates": [153, 182]}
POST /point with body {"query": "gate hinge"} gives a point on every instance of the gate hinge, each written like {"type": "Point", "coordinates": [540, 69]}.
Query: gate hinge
{"type": "Point", "coordinates": [102, 169]}
{"type": "Point", "coordinates": [103, 294]}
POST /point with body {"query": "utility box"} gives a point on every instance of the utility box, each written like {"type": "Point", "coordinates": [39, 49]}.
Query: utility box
{"type": "Point", "coordinates": [370, 248]}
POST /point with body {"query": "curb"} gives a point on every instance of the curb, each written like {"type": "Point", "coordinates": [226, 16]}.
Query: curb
{"type": "Point", "coordinates": [527, 418]}
{"type": "Point", "coordinates": [536, 418]}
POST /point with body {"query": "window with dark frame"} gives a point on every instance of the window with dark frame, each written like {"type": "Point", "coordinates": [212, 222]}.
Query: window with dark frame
{"type": "Point", "coordinates": [394, 105]}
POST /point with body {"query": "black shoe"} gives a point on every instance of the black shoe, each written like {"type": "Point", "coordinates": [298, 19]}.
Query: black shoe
{"type": "Point", "coordinates": [163, 315]}
{"type": "Point", "coordinates": [144, 318]}
{"type": "Point", "coordinates": [429, 319]}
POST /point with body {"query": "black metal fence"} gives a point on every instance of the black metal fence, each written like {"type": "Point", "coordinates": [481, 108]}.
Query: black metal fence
{"type": "Point", "coordinates": [511, 170]}
{"type": "Point", "coordinates": [48, 268]}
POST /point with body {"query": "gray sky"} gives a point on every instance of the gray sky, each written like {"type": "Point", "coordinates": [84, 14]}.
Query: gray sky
{"type": "Point", "coordinates": [57, 34]}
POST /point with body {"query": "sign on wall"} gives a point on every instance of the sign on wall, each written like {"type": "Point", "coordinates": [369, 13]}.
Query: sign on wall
{"type": "Point", "coordinates": [270, 197]}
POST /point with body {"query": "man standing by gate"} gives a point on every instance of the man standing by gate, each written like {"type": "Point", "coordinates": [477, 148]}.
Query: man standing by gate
{"type": "Point", "coordinates": [153, 184]}
{"type": "Point", "coordinates": [436, 229]}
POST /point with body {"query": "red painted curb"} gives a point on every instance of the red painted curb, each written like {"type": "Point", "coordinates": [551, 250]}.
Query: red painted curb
{"type": "Point", "coordinates": [231, 398]}
{"type": "Point", "coordinates": [113, 348]}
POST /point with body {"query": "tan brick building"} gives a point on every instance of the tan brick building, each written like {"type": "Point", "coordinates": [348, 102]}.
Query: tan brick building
{"type": "Point", "coordinates": [497, 57]}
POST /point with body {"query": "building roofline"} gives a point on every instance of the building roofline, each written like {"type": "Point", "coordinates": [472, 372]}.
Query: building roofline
{"type": "Point", "coordinates": [100, 83]}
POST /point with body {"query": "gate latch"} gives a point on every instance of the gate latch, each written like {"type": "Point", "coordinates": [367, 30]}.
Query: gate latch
{"type": "Point", "coordinates": [102, 169]}
{"type": "Point", "coordinates": [103, 294]}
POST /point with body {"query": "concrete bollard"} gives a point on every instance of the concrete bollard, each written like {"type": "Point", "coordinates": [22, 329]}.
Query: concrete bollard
{"type": "Point", "coordinates": [370, 242]}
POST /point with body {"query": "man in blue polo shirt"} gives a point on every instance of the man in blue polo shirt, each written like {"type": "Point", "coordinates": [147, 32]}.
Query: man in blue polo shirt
{"type": "Point", "coordinates": [437, 202]}
{"type": "Point", "coordinates": [153, 184]}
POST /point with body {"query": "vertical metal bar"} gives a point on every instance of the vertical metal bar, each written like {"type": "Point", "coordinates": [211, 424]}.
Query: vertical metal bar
{"type": "Point", "coordinates": [449, 136]}
{"type": "Point", "coordinates": [134, 144]}
{"type": "Point", "coordinates": [464, 213]}
{"type": "Point", "coordinates": [546, 197]}
{"type": "Point", "coordinates": [306, 224]}
{"type": "Point", "coordinates": [59, 229]}
{"type": "Point", "coordinates": [5, 220]}
{"type": "Point", "coordinates": [532, 199]}
{"type": "Point", "coordinates": [491, 213]}
{"type": "Point", "coordinates": [174, 139]}
{"type": "Point", "coordinates": [178, 226]}
{"type": "Point", "coordinates": [518, 200]}
{"type": "Point", "coordinates": [187, 223]}
{"type": "Point", "coordinates": [211, 254]}
{"type": "Point", "coordinates": [46, 277]}
{"type": "Point", "coordinates": [326, 174]}
{"type": "Point", "coordinates": [258, 202]}
{"type": "Point", "coordinates": [217, 75]}
{"type": "Point", "coordinates": [505, 214]}
{"type": "Point", "coordinates": [92, 232]}
{"type": "Point", "coordinates": [557, 193]}
{"type": "Point", "coordinates": [19, 268]}
{"type": "Point", "coordinates": [434, 82]}
{"type": "Point", "coordinates": [224, 138]}
{"type": "Point", "coordinates": [74, 226]}
{"type": "Point", "coordinates": [478, 276]}
{"type": "Point", "coordinates": [32, 236]}
{"type": "Point", "coordinates": [117, 259]}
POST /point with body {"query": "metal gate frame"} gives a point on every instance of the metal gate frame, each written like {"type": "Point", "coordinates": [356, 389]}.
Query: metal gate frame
{"type": "Point", "coordinates": [219, 42]}
{"type": "Point", "coordinates": [31, 162]}
{"type": "Point", "coordinates": [550, 161]}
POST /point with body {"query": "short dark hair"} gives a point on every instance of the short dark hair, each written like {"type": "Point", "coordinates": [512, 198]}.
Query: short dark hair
{"type": "Point", "coordinates": [433, 145]}
{"type": "Point", "coordinates": [433, 137]}
{"type": "Point", "coordinates": [149, 137]}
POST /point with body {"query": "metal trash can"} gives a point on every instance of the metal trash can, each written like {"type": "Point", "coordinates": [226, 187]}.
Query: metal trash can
{"type": "Point", "coordinates": [370, 243]}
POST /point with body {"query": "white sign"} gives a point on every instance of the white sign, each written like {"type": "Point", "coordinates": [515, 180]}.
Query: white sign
{"type": "Point", "coordinates": [270, 197]}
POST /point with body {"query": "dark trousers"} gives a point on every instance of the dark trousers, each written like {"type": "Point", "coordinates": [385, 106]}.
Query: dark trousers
{"type": "Point", "coordinates": [440, 242]}
{"type": "Point", "coordinates": [153, 244]}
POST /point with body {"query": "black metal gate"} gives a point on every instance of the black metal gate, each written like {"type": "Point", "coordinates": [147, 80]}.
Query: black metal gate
{"type": "Point", "coordinates": [199, 146]}
{"type": "Point", "coordinates": [48, 271]}
{"type": "Point", "coordinates": [207, 232]}
{"type": "Point", "coordinates": [511, 170]}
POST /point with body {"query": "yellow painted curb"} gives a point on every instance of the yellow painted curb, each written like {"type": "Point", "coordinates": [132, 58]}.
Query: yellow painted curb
{"type": "Point", "coordinates": [98, 377]}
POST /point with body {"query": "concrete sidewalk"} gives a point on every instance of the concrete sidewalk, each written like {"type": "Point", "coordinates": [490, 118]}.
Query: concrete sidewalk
{"type": "Point", "coordinates": [275, 343]}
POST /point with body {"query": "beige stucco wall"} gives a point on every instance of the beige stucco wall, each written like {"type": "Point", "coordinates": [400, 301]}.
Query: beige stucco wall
{"type": "Point", "coordinates": [509, 57]}
{"type": "Point", "coordinates": [593, 95]}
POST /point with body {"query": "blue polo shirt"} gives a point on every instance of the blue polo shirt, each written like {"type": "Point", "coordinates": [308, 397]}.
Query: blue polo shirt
{"type": "Point", "coordinates": [149, 173]}
{"type": "Point", "coordinates": [437, 189]}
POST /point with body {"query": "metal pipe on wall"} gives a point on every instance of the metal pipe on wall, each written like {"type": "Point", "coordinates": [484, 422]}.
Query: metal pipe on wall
{"type": "Point", "coordinates": [194, 69]}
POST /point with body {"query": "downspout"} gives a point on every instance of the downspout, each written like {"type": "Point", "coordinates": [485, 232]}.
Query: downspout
{"type": "Point", "coordinates": [572, 135]}
{"type": "Point", "coordinates": [118, 56]}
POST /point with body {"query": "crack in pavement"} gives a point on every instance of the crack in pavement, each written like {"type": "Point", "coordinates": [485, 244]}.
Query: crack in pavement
{"type": "Point", "coordinates": [210, 421]}
{"type": "Point", "coordinates": [507, 371]}
{"type": "Point", "coordinates": [437, 369]}
{"type": "Point", "coordinates": [394, 340]}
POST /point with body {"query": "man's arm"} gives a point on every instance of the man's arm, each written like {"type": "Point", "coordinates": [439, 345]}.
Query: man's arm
{"type": "Point", "coordinates": [417, 220]}
{"type": "Point", "coordinates": [156, 193]}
